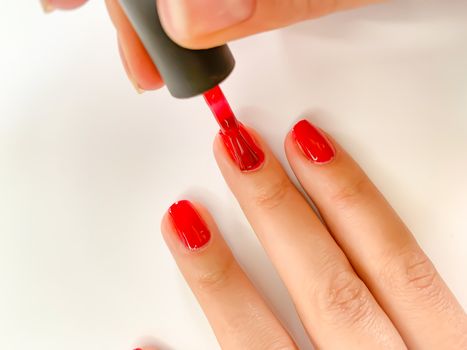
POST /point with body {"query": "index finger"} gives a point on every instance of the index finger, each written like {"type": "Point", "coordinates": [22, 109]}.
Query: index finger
{"type": "Point", "coordinates": [140, 66]}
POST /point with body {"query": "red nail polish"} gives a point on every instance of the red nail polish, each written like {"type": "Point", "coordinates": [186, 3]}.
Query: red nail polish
{"type": "Point", "coordinates": [190, 227]}
{"type": "Point", "coordinates": [241, 146]}
{"type": "Point", "coordinates": [313, 143]}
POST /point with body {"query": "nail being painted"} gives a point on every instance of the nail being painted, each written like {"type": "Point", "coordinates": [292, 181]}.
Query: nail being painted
{"type": "Point", "coordinates": [238, 141]}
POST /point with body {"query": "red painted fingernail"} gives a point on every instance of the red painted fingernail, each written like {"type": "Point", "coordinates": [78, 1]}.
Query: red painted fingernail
{"type": "Point", "coordinates": [313, 143]}
{"type": "Point", "coordinates": [242, 148]}
{"type": "Point", "coordinates": [189, 225]}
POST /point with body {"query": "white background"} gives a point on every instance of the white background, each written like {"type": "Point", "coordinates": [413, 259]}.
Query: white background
{"type": "Point", "coordinates": [88, 167]}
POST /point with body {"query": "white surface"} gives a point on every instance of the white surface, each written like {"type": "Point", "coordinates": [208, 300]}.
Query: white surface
{"type": "Point", "coordinates": [87, 167]}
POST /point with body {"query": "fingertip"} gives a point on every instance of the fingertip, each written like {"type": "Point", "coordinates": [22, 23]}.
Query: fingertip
{"type": "Point", "coordinates": [240, 150]}
{"type": "Point", "coordinates": [218, 148]}
{"type": "Point", "coordinates": [141, 71]}
{"type": "Point", "coordinates": [50, 5]}
{"type": "Point", "coordinates": [169, 233]}
{"type": "Point", "coordinates": [165, 224]}
{"type": "Point", "coordinates": [187, 228]}
{"type": "Point", "coordinates": [288, 140]}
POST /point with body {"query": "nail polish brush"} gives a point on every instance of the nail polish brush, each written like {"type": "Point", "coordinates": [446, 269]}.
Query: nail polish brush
{"type": "Point", "coordinates": [188, 73]}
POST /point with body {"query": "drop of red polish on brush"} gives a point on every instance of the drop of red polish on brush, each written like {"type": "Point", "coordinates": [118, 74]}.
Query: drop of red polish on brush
{"type": "Point", "coordinates": [238, 141]}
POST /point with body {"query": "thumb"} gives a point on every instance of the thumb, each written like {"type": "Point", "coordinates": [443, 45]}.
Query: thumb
{"type": "Point", "coordinates": [207, 23]}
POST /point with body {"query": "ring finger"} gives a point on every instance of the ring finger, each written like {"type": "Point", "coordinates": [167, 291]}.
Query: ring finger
{"type": "Point", "coordinates": [377, 243]}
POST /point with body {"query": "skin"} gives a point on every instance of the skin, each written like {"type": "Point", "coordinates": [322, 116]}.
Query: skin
{"type": "Point", "coordinates": [358, 278]}
{"type": "Point", "coordinates": [267, 15]}
{"type": "Point", "coordinates": [360, 274]}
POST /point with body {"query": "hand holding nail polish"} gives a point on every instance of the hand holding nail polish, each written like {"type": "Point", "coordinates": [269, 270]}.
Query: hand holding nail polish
{"type": "Point", "coordinates": [356, 275]}
{"type": "Point", "coordinates": [237, 140]}
{"type": "Point", "coordinates": [201, 24]}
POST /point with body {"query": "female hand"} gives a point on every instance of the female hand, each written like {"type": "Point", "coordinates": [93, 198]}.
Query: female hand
{"type": "Point", "coordinates": [358, 278]}
{"type": "Point", "coordinates": [205, 23]}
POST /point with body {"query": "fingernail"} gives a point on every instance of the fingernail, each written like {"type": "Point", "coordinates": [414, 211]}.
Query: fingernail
{"type": "Point", "coordinates": [191, 228]}
{"type": "Point", "coordinates": [239, 143]}
{"type": "Point", "coordinates": [313, 143]}
{"type": "Point", "coordinates": [136, 86]}
{"type": "Point", "coordinates": [242, 148]}
{"type": "Point", "coordinates": [47, 6]}
{"type": "Point", "coordinates": [188, 18]}
{"type": "Point", "coordinates": [130, 76]}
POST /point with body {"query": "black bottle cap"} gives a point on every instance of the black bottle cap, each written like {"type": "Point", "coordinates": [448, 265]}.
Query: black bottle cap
{"type": "Point", "coordinates": [186, 72]}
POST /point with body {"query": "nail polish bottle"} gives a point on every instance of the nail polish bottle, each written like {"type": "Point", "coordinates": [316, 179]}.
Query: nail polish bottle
{"type": "Point", "coordinates": [186, 72]}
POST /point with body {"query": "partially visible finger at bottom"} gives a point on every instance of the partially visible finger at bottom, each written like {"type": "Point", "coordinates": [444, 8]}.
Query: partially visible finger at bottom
{"type": "Point", "coordinates": [237, 313]}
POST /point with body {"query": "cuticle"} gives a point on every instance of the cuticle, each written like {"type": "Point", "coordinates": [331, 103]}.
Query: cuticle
{"type": "Point", "coordinates": [192, 251]}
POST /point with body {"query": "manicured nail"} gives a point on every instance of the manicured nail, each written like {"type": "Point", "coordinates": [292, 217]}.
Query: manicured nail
{"type": "Point", "coordinates": [130, 76]}
{"type": "Point", "coordinates": [191, 228]}
{"type": "Point", "coordinates": [242, 148]}
{"type": "Point", "coordinates": [313, 143]}
{"type": "Point", "coordinates": [47, 6]}
{"type": "Point", "coordinates": [189, 18]}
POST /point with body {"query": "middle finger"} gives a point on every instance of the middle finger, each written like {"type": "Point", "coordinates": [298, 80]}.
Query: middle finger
{"type": "Point", "coordinates": [329, 296]}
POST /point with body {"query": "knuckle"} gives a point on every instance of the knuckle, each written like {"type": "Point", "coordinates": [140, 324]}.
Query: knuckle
{"type": "Point", "coordinates": [215, 279]}
{"type": "Point", "coordinates": [351, 191]}
{"type": "Point", "coordinates": [270, 195]}
{"type": "Point", "coordinates": [346, 300]}
{"type": "Point", "coordinates": [411, 273]}
{"type": "Point", "coordinates": [420, 273]}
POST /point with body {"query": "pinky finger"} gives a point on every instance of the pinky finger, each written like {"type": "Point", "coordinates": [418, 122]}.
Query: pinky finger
{"type": "Point", "coordinates": [237, 313]}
